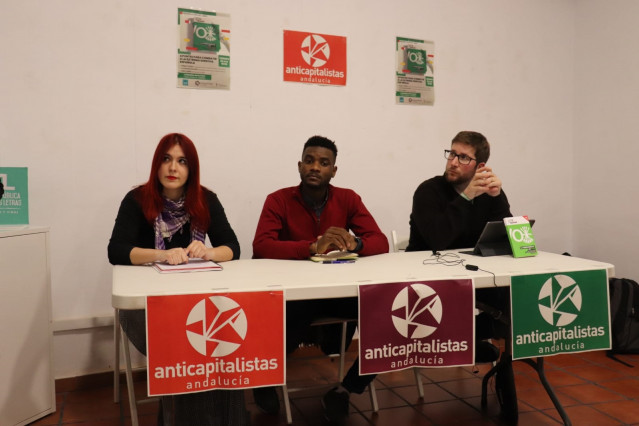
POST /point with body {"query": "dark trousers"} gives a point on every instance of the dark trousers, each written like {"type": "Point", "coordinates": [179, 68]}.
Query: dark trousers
{"type": "Point", "coordinates": [494, 321]}
{"type": "Point", "coordinates": [299, 316]}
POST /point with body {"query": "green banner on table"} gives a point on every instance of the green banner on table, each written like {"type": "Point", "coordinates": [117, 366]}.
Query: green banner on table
{"type": "Point", "coordinates": [14, 204]}
{"type": "Point", "coordinates": [560, 312]}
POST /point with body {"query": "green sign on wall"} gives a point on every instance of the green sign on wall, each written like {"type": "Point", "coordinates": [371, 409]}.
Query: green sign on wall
{"type": "Point", "coordinates": [416, 60]}
{"type": "Point", "coordinates": [206, 36]}
{"type": "Point", "coordinates": [14, 205]}
{"type": "Point", "coordinates": [560, 312]}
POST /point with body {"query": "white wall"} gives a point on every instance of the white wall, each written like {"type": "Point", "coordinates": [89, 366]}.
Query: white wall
{"type": "Point", "coordinates": [88, 88]}
{"type": "Point", "coordinates": [606, 154]}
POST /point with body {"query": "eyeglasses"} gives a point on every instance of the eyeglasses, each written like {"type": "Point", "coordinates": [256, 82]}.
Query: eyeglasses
{"type": "Point", "coordinates": [463, 158]}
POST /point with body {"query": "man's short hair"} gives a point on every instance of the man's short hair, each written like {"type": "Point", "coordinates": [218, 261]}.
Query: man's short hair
{"type": "Point", "coordinates": [477, 141]}
{"type": "Point", "coordinates": [322, 142]}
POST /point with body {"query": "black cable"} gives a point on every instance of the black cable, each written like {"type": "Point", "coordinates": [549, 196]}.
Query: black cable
{"type": "Point", "coordinates": [477, 268]}
{"type": "Point", "coordinates": [447, 259]}
{"type": "Point", "coordinates": [453, 259]}
{"type": "Point", "coordinates": [493, 274]}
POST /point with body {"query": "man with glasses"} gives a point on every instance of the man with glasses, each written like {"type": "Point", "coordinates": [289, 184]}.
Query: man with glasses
{"type": "Point", "coordinates": [450, 212]}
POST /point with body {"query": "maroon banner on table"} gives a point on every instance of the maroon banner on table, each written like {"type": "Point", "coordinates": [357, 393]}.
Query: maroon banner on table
{"type": "Point", "coordinates": [197, 342]}
{"type": "Point", "coordinates": [416, 324]}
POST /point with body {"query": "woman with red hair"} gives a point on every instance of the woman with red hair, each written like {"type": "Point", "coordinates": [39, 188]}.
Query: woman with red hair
{"type": "Point", "coordinates": [167, 220]}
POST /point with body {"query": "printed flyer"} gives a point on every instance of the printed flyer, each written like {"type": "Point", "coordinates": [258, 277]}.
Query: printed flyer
{"type": "Point", "coordinates": [204, 50]}
{"type": "Point", "coordinates": [414, 71]}
{"type": "Point", "coordinates": [520, 236]}
{"type": "Point", "coordinates": [14, 203]}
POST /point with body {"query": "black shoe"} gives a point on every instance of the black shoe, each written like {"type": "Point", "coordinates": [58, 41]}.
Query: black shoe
{"type": "Point", "coordinates": [267, 400]}
{"type": "Point", "coordinates": [485, 352]}
{"type": "Point", "coordinates": [506, 391]}
{"type": "Point", "coordinates": [335, 405]}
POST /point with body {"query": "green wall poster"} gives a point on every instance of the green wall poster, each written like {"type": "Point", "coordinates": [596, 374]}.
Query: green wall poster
{"type": "Point", "coordinates": [14, 205]}
{"type": "Point", "coordinates": [414, 71]}
{"type": "Point", "coordinates": [560, 312]}
{"type": "Point", "coordinates": [204, 50]}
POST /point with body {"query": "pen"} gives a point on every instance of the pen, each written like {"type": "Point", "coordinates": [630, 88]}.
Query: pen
{"type": "Point", "coordinates": [339, 261]}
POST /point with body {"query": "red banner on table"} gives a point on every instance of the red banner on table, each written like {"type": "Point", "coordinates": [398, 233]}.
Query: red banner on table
{"type": "Point", "coordinates": [416, 324]}
{"type": "Point", "coordinates": [314, 58]}
{"type": "Point", "coordinates": [197, 342]}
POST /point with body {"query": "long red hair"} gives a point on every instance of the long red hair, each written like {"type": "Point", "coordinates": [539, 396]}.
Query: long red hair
{"type": "Point", "coordinates": [150, 194]}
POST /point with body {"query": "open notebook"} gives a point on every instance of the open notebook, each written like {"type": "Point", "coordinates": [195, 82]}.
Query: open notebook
{"type": "Point", "coordinates": [194, 265]}
{"type": "Point", "coordinates": [334, 255]}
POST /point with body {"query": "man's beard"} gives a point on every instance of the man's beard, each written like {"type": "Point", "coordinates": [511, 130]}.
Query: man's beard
{"type": "Point", "coordinates": [459, 181]}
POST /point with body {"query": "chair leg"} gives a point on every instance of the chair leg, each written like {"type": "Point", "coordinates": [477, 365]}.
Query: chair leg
{"type": "Point", "coordinates": [342, 352]}
{"type": "Point", "coordinates": [116, 361]}
{"type": "Point", "coordinates": [373, 395]}
{"type": "Point", "coordinates": [418, 380]}
{"type": "Point", "coordinates": [287, 405]}
{"type": "Point", "coordinates": [129, 380]}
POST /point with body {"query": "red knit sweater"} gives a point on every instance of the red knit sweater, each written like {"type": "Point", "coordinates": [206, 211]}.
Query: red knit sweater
{"type": "Point", "coordinates": [287, 226]}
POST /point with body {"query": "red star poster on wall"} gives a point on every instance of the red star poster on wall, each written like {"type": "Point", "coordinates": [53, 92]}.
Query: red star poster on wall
{"type": "Point", "coordinates": [314, 58]}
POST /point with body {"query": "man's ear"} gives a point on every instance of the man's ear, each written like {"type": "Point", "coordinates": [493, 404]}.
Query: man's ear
{"type": "Point", "coordinates": [480, 165]}
{"type": "Point", "coordinates": [334, 171]}
{"type": "Point", "coordinates": [299, 166]}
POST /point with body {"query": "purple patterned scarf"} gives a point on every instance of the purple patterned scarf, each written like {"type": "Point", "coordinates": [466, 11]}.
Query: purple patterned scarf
{"type": "Point", "coordinates": [171, 220]}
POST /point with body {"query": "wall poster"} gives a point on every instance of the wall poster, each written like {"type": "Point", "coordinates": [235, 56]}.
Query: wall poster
{"type": "Point", "coordinates": [414, 71]}
{"type": "Point", "coordinates": [204, 50]}
{"type": "Point", "coordinates": [314, 58]}
{"type": "Point", "coordinates": [14, 196]}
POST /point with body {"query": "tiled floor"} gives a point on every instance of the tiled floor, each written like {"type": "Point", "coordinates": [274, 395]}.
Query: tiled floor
{"type": "Point", "coordinates": [594, 390]}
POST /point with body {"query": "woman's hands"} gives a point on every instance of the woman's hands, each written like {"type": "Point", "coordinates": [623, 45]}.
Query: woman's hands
{"type": "Point", "coordinates": [178, 255]}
